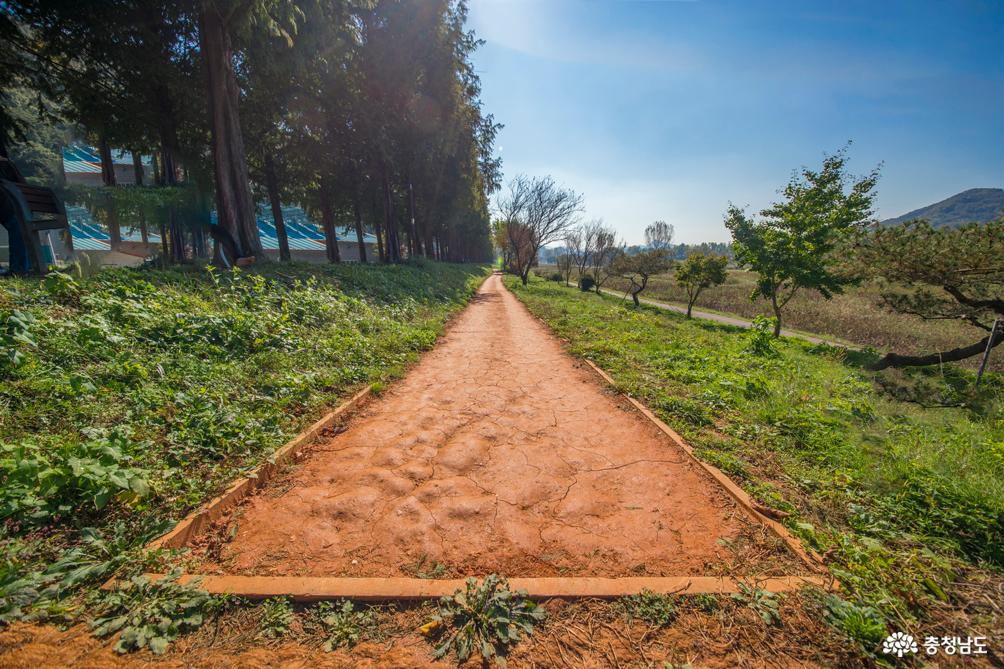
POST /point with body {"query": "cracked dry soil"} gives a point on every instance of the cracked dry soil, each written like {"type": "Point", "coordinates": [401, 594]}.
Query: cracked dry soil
{"type": "Point", "coordinates": [496, 453]}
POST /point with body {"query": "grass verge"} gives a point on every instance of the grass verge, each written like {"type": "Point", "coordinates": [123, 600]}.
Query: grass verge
{"type": "Point", "coordinates": [897, 478]}
{"type": "Point", "coordinates": [129, 397]}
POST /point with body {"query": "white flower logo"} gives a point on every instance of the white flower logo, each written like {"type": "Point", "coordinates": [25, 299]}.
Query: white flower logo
{"type": "Point", "coordinates": [899, 644]}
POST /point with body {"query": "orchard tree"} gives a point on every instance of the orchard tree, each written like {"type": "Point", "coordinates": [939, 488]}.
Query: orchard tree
{"type": "Point", "coordinates": [535, 211]}
{"type": "Point", "coordinates": [641, 267]}
{"type": "Point", "coordinates": [941, 274]}
{"type": "Point", "coordinates": [603, 250]}
{"type": "Point", "coordinates": [794, 244]}
{"type": "Point", "coordinates": [699, 271]}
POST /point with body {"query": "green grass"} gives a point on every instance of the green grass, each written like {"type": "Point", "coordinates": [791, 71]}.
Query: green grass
{"type": "Point", "coordinates": [129, 397]}
{"type": "Point", "coordinates": [904, 500]}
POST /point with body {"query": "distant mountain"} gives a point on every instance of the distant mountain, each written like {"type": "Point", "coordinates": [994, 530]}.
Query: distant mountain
{"type": "Point", "coordinates": [976, 205]}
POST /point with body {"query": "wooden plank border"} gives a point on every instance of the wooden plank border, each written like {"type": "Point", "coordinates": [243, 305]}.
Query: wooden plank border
{"type": "Point", "coordinates": [810, 558]}
{"type": "Point", "coordinates": [320, 588]}
{"type": "Point", "coordinates": [197, 521]}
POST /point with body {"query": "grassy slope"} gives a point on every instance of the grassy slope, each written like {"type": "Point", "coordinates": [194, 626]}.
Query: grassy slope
{"type": "Point", "coordinates": [855, 316]}
{"type": "Point", "coordinates": [905, 501]}
{"type": "Point", "coordinates": [144, 392]}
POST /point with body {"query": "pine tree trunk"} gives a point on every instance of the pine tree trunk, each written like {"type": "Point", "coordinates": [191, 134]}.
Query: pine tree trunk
{"type": "Point", "coordinates": [107, 168]}
{"type": "Point", "coordinates": [381, 251]}
{"type": "Point", "coordinates": [272, 185]}
{"type": "Point", "coordinates": [328, 223]}
{"type": "Point", "coordinates": [415, 241]}
{"type": "Point", "coordinates": [137, 167]}
{"type": "Point", "coordinates": [393, 248]}
{"type": "Point", "coordinates": [234, 205]}
{"type": "Point", "coordinates": [360, 237]}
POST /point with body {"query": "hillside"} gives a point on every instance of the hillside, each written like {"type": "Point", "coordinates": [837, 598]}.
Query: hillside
{"type": "Point", "coordinates": [974, 205]}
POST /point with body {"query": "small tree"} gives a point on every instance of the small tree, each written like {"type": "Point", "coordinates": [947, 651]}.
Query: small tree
{"type": "Point", "coordinates": [659, 236]}
{"type": "Point", "coordinates": [938, 274]}
{"type": "Point", "coordinates": [700, 271]}
{"type": "Point", "coordinates": [639, 268]}
{"type": "Point", "coordinates": [794, 244]}
{"type": "Point", "coordinates": [603, 252]}
{"type": "Point", "coordinates": [535, 211]}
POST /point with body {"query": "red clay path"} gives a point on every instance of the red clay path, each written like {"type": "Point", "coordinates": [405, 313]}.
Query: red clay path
{"type": "Point", "coordinates": [496, 453]}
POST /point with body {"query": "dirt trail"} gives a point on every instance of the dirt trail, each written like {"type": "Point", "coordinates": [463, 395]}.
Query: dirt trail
{"type": "Point", "coordinates": [496, 453]}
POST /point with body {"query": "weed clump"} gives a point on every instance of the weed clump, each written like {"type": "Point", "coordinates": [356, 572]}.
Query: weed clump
{"type": "Point", "coordinates": [655, 608]}
{"type": "Point", "coordinates": [343, 624]}
{"type": "Point", "coordinates": [152, 614]}
{"type": "Point", "coordinates": [277, 616]}
{"type": "Point", "coordinates": [486, 618]}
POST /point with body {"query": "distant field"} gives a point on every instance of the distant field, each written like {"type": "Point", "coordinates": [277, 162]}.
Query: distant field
{"type": "Point", "coordinates": [857, 316]}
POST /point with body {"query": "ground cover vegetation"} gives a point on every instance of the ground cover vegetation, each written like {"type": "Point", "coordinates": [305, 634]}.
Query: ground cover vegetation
{"type": "Point", "coordinates": [367, 114]}
{"type": "Point", "coordinates": [131, 396]}
{"type": "Point", "coordinates": [904, 503]}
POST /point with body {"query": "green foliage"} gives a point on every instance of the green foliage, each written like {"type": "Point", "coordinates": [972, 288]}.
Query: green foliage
{"type": "Point", "coordinates": [794, 245]}
{"type": "Point", "coordinates": [760, 340]}
{"type": "Point", "coordinates": [862, 624]}
{"type": "Point", "coordinates": [586, 283]}
{"type": "Point", "coordinates": [903, 498]}
{"type": "Point", "coordinates": [344, 625]}
{"type": "Point", "coordinates": [151, 614]}
{"type": "Point", "coordinates": [699, 271]}
{"type": "Point", "coordinates": [940, 274]}
{"type": "Point", "coordinates": [15, 335]}
{"type": "Point", "coordinates": [655, 608]}
{"type": "Point", "coordinates": [40, 480]}
{"type": "Point", "coordinates": [276, 618]}
{"type": "Point", "coordinates": [485, 618]}
{"type": "Point", "coordinates": [214, 369]}
{"type": "Point", "coordinates": [765, 604]}
{"type": "Point", "coordinates": [640, 267]}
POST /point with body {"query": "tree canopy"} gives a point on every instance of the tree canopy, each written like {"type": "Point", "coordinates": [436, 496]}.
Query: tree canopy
{"type": "Point", "coordinates": [368, 114]}
{"type": "Point", "coordinates": [794, 243]}
{"type": "Point", "coordinates": [938, 274]}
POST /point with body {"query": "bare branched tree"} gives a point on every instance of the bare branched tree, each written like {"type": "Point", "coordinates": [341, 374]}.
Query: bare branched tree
{"type": "Point", "coordinates": [574, 252]}
{"type": "Point", "coordinates": [659, 236]}
{"type": "Point", "coordinates": [603, 250]}
{"type": "Point", "coordinates": [536, 211]}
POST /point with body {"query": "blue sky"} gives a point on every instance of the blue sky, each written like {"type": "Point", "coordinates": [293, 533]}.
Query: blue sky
{"type": "Point", "coordinates": [671, 109]}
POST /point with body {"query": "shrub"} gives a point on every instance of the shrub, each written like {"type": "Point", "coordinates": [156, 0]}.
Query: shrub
{"type": "Point", "coordinates": [556, 276]}
{"type": "Point", "coordinates": [586, 283]}
{"type": "Point", "coordinates": [760, 338]}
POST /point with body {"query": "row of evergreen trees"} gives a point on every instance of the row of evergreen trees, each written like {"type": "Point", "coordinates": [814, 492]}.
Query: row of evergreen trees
{"type": "Point", "coordinates": [367, 112]}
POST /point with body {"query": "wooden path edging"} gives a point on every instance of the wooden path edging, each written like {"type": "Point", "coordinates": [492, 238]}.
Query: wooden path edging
{"type": "Point", "coordinates": [381, 589]}
{"type": "Point", "coordinates": [809, 558]}
{"type": "Point", "coordinates": [375, 589]}
{"type": "Point", "coordinates": [197, 521]}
